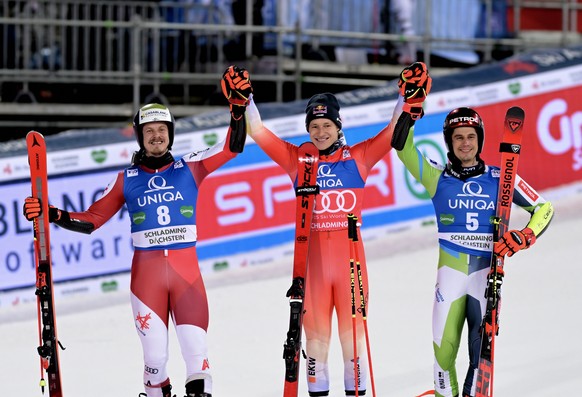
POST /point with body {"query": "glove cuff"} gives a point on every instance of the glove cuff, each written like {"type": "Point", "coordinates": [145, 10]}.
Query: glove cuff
{"type": "Point", "coordinates": [54, 214]}
{"type": "Point", "coordinates": [415, 110]}
{"type": "Point", "coordinates": [237, 111]}
{"type": "Point", "coordinates": [530, 237]}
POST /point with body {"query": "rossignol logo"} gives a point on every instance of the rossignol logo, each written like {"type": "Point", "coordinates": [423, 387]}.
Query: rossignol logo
{"type": "Point", "coordinates": [507, 183]}
{"type": "Point", "coordinates": [514, 124]}
{"type": "Point", "coordinates": [472, 198]}
{"type": "Point", "coordinates": [158, 192]}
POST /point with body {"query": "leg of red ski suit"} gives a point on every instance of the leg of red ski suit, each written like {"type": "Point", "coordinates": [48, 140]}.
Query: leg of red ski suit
{"type": "Point", "coordinates": [164, 283]}
{"type": "Point", "coordinates": [328, 287]}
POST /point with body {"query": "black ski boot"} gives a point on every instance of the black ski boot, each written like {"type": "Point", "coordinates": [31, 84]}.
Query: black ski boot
{"type": "Point", "coordinates": [166, 392]}
{"type": "Point", "coordinates": [195, 388]}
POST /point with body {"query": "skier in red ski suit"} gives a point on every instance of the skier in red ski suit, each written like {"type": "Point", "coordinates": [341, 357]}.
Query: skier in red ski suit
{"type": "Point", "coordinates": [161, 195]}
{"type": "Point", "coordinates": [341, 177]}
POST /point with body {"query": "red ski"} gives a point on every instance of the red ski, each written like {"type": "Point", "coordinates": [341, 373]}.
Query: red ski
{"type": "Point", "coordinates": [306, 190]}
{"type": "Point", "coordinates": [47, 327]}
{"type": "Point", "coordinates": [510, 150]}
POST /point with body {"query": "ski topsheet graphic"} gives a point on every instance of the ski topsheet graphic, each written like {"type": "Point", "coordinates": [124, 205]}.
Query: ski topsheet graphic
{"type": "Point", "coordinates": [47, 327]}
{"type": "Point", "coordinates": [510, 149]}
{"type": "Point", "coordinates": [305, 191]}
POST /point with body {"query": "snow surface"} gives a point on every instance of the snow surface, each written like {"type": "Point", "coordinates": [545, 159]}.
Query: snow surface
{"type": "Point", "coordinates": [538, 352]}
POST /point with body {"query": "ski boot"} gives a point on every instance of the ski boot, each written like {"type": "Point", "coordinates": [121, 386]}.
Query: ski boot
{"type": "Point", "coordinates": [195, 388]}
{"type": "Point", "coordinates": [166, 392]}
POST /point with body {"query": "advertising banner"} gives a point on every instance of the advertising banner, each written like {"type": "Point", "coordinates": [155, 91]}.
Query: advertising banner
{"type": "Point", "coordinates": [245, 209]}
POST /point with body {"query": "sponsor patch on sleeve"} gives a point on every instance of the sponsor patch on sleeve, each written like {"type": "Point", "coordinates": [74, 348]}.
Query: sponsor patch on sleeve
{"type": "Point", "coordinates": [528, 191]}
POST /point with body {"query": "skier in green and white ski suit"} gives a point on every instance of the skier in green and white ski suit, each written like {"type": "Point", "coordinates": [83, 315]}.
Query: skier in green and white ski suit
{"type": "Point", "coordinates": [464, 195]}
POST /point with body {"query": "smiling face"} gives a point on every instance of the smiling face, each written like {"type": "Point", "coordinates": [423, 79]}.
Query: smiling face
{"type": "Point", "coordinates": [323, 133]}
{"type": "Point", "coordinates": [465, 145]}
{"type": "Point", "coordinates": [156, 139]}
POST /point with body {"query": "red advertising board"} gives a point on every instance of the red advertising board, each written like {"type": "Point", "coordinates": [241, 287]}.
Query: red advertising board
{"type": "Point", "coordinates": [263, 198]}
{"type": "Point", "coordinates": [552, 147]}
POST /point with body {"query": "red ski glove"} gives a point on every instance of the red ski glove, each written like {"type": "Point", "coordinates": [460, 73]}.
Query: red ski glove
{"type": "Point", "coordinates": [236, 86]}
{"type": "Point", "coordinates": [32, 209]}
{"type": "Point", "coordinates": [513, 241]}
{"type": "Point", "coordinates": [414, 85]}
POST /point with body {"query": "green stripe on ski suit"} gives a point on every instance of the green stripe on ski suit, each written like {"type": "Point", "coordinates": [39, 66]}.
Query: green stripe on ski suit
{"type": "Point", "coordinates": [453, 259]}
{"type": "Point", "coordinates": [418, 166]}
{"type": "Point", "coordinates": [540, 219]}
{"type": "Point", "coordinates": [446, 353]}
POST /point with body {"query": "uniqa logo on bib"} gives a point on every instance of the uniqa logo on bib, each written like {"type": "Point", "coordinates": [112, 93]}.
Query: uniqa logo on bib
{"type": "Point", "coordinates": [158, 192]}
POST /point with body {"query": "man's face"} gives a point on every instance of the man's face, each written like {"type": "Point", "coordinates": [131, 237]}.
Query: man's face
{"type": "Point", "coordinates": [465, 145]}
{"type": "Point", "coordinates": [323, 133]}
{"type": "Point", "coordinates": [156, 139]}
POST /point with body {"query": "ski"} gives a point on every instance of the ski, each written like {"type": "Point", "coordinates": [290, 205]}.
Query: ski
{"type": "Point", "coordinates": [47, 328]}
{"type": "Point", "coordinates": [305, 192]}
{"type": "Point", "coordinates": [510, 149]}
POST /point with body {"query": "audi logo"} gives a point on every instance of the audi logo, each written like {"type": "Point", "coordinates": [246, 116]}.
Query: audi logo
{"type": "Point", "coordinates": [334, 201]}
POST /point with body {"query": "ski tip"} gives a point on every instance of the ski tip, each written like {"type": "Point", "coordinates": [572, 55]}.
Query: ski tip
{"type": "Point", "coordinates": [515, 112]}
{"type": "Point", "coordinates": [426, 393]}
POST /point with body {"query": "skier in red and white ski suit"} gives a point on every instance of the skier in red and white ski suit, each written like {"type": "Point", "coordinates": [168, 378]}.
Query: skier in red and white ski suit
{"type": "Point", "coordinates": [342, 173]}
{"type": "Point", "coordinates": [161, 196]}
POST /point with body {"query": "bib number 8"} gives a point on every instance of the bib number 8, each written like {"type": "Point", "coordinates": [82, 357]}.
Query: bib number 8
{"type": "Point", "coordinates": [163, 215]}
